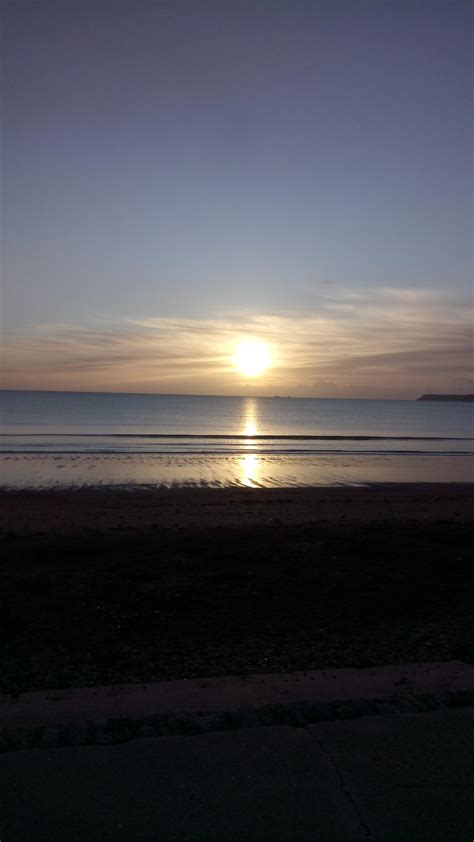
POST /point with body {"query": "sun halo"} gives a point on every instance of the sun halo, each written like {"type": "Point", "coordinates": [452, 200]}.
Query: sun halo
{"type": "Point", "coordinates": [252, 357]}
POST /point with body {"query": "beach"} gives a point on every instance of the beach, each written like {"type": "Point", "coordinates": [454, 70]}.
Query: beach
{"type": "Point", "coordinates": [110, 586]}
{"type": "Point", "coordinates": [97, 510]}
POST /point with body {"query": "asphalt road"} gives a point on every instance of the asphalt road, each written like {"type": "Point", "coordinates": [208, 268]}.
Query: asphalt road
{"type": "Point", "coordinates": [383, 779]}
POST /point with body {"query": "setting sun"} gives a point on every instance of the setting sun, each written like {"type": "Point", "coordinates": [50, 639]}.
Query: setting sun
{"type": "Point", "coordinates": [252, 357]}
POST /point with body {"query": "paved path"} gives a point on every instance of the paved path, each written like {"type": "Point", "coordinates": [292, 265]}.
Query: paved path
{"type": "Point", "coordinates": [387, 778]}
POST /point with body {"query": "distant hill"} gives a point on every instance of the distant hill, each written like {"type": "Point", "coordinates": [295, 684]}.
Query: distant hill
{"type": "Point", "coordinates": [465, 398]}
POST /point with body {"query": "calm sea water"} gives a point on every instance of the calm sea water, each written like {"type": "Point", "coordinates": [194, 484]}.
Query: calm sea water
{"type": "Point", "coordinates": [61, 438]}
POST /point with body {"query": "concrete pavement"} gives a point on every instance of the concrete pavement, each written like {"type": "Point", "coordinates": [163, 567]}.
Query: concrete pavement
{"type": "Point", "coordinates": [384, 778]}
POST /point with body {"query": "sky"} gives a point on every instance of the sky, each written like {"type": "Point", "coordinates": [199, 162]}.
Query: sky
{"type": "Point", "coordinates": [180, 175]}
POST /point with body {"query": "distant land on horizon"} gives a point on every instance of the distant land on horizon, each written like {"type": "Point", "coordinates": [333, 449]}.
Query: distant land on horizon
{"type": "Point", "coordinates": [466, 398]}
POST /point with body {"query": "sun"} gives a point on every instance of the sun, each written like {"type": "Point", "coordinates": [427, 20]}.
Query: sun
{"type": "Point", "coordinates": [252, 357]}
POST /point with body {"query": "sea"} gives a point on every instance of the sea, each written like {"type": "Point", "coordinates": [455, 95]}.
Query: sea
{"type": "Point", "coordinates": [79, 439]}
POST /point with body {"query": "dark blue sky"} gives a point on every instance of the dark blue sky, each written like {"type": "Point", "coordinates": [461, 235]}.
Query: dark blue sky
{"type": "Point", "coordinates": [181, 159]}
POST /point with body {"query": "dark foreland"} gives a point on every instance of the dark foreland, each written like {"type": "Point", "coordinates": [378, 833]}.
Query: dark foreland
{"type": "Point", "coordinates": [459, 398]}
{"type": "Point", "coordinates": [111, 587]}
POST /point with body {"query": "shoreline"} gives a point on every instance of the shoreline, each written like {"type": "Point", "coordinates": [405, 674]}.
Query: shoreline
{"type": "Point", "coordinates": [223, 471]}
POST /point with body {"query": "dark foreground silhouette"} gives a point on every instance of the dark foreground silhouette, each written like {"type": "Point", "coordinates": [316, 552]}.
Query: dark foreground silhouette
{"type": "Point", "coordinates": [160, 602]}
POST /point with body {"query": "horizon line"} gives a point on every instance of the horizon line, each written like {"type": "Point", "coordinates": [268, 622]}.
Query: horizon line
{"type": "Point", "coordinates": [206, 395]}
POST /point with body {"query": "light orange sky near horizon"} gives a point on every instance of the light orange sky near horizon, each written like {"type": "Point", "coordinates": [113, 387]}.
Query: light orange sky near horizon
{"type": "Point", "coordinates": [383, 343]}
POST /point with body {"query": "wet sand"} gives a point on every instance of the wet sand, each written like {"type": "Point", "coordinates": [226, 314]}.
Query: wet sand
{"type": "Point", "coordinates": [247, 468]}
{"type": "Point", "coordinates": [107, 587]}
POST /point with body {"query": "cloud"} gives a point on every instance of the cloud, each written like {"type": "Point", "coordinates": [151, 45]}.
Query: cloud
{"type": "Point", "coordinates": [377, 343]}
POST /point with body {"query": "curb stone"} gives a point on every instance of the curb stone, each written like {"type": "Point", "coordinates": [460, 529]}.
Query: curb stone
{"type": "Point", "coordinates": [295, 714]}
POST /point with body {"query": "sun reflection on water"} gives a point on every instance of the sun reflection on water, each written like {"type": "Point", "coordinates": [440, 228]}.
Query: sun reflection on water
{"type": "Point", "coordinates": [250, 419]}
{"type": "Point", "coordinates": [250, 470]}
{"type": "Point", "coordinates": [250, 463]}
{"type": "Point", "coordinates": [250, 428]}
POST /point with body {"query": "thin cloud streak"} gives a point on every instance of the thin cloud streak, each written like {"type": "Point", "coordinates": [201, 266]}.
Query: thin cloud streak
{"type": "Point", "coordinates": [379, 343]}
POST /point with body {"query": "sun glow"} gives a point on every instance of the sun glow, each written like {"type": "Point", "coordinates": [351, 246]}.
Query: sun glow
{"type": "Point", "coordinates": [252, 357]}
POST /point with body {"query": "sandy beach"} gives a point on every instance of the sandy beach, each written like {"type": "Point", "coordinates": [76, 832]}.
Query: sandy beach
{"type": "Point", "coordinates": [104, 587]}
{"type": "Point", "coordinates": [98, 510]}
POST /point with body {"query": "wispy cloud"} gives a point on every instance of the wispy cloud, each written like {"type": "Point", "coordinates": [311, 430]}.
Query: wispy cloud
{"type": "Point", "coordinates": [380, 342]}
